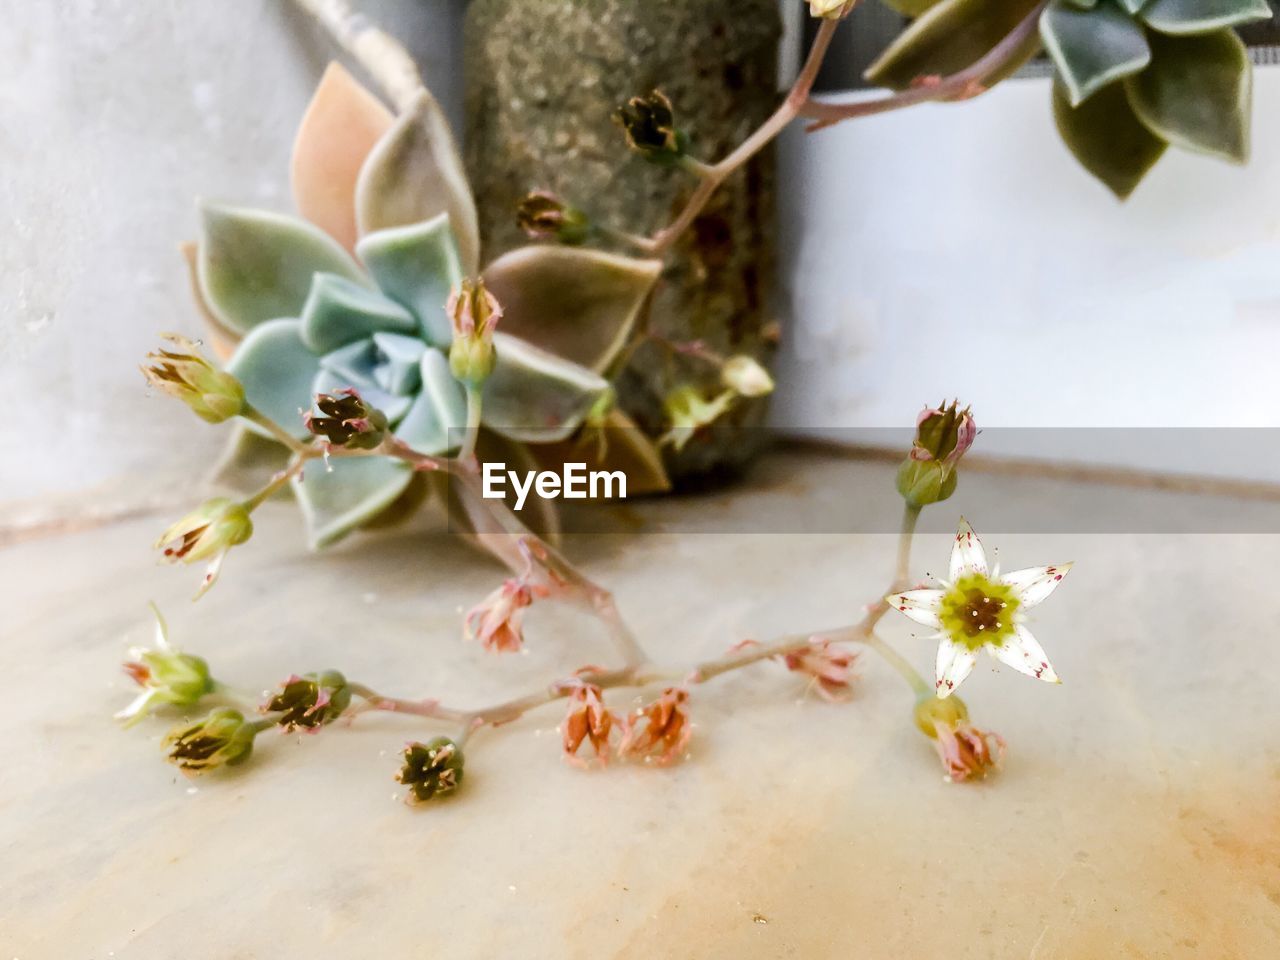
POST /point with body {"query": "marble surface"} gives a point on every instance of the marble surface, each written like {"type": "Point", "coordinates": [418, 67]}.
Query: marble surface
{"type": "Point", "coordinates": [1136, 815]}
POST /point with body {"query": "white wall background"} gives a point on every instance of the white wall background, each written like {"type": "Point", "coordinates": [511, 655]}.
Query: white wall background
{"type": "Point", "coordinates": [951, 249]}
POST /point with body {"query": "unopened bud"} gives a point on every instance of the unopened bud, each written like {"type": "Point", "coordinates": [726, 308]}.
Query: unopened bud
{"type": "Point", "coordinates": [746, 377]}
{"type": "Point", "coordinates": [649, 123]}
{"type": "Point", "coordinates": [924, 482]}
{"type": "Point", "coordinates": [431, 769]}
{"type": "Point", "coordinates": [943, 433]}
{"type": "Point", "coordinates": [212, 394]}
{"type": "Point", "coordinates": [544, 216]}
{"type": "Point", "coordinates": [348, 421]}
{"type": "Point", "coordinates": [474, 313]}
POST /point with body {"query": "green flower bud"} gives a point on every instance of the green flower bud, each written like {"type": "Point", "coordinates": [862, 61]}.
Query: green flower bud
{"type": "Point", "coordinates": [310, 701]}
{"type": "Point", "coordinates": [212, 394]}
{"type": "Point", "coordinates": [207, 533]}
{"type": "Point", "coordinates": [943, 433]}
{"type": "Point", "coordinates": [222, 738]}
{"type": "Point", "coordinates": [924, 482]}
{"type": "Point", "coordinates": [431, 769]}
{"type": "Point", "coordinates": [166, 676]}
{"type": "Point", "coordinates": [544, 216]}
{"type": "Point", "coordinates": [348, 421]}
{"type": "Point", "coordinates": [932, 711]}
{"type": "Point", "coordinates": [474, 313]}
{"type": "Point", "coordinates": [649, 123]}
{"type": "Point", "coordinates": [688, 412]}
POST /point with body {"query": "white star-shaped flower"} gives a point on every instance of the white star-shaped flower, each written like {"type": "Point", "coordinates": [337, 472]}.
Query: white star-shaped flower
{"type": "Point", "coordinates": [977, 609]}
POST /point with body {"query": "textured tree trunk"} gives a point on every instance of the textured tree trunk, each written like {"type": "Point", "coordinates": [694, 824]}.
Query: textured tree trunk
{"type": "Point", "coordinates": [543, 79]}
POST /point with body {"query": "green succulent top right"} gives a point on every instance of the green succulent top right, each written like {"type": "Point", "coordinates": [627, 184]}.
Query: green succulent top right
{"type": "Point", "coordinates": [1133, 76]}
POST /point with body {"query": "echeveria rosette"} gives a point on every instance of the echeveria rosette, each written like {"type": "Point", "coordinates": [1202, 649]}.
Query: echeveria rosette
{"type": "Point", "coordinates": [1133, 76]}
{"type": "Point", "coordinates": [361, 302]}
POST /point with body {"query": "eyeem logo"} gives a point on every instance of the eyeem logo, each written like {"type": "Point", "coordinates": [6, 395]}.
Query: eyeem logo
{"type": "Point", "coordinates": [575, 483]}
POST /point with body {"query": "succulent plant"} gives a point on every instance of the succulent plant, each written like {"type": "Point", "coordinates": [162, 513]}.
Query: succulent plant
{"type": "Point", "coordinates": [352, 295]}
{"type": "Point", "coordinates": [1133, 76]}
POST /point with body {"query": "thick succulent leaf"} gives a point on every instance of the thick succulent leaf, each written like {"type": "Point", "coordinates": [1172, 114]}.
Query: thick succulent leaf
{"type": "Point", "coordinates": [222, 339]}
{"type": "Point", "coordinates": [534, 396]}
{"type": "Point", "coordinates": [1093, 48]}
{"type": "Point", "coordinates": [539, 515]}
{"type": "Point", "coordinates": [1132, 6]}
{"type": "Point", "coordinates": [579, 304]}
{"type": "Point", "coordinates": [910, 8]}
{"type": "Point", "coordinates": [331, 381]}
{"type": "Point", "coordinates": [415, 173]}
{"type": "Point", "coordinates": [338, 312]}
{"type": "Point", "coordinates": [434, 421]}
{"type": "Point", "coordinates": [255, 265]}
{"type": "Point", "coordinates": [417, 266]}
{"type": "Point", "coordinates": [621, 445]}
{"type": "Point", "coordinates": [411, 499]}
{"type": "Point", "coordinates": [953, 35]}
{"type": "Point", "coordinates": [339, 129]}
{"type": "Point", "coordinates": [277, 370]}
{"type": "Point", "coordinates": [1107, 138]}
{"type": "Point", "coordinates": [1083, 4]}
{"type": "Point", "coordinates": [248, 462]}
{"type": "Point", "coordinates": [398, 364]}
{"type": "Point", "coordinates": [1202, 16]}
{"type": "Point", "coordinates": [338, 496]}
{"type": "Point", "coordinates": [1197, 93]}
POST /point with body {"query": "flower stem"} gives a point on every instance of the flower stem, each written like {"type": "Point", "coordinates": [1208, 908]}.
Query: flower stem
{"type": "Point", "coordinates": [474, 401]}
{"type": "Point", "coordinates": [902, 570]}
{"type": "Point", "coordinates": [899, 663]}
{"type": "Point", "coordinates": [253, 414]}
{"type": "Point", "coordinates": [280, 480]}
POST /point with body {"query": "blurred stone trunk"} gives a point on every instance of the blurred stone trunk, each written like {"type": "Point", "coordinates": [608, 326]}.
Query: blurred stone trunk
{"type": "Point", "coordinates": [543, 79]}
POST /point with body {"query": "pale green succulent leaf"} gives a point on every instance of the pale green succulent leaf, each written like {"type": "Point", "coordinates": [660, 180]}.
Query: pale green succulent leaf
{"type": "Point", "coordinates": [400, 358]}
{"type": "Point", "coordinates": [1092, 48]}
{"type": "Point", "coordinates": [415, 173]}
{"type": "Point", "coordinates": [535, 396]}
{"type": "Point", "coordinates": [338, 312]}
{"type": "Point", "coordinates": [1107, 138]}
{"type": "Point", "coordinates": [340, 495]}
{"type": "Point", "coordinates": [579, 304]}
{"type": "Point", "coordinates": [418, 267]}
{"type": "Point", "coordinates": [434, 421]}
{"type": "Point", "coordinates": [1197, 93]}
{"type": "Point", "coordinates": [1202, 16]}
{"type": "Point", "coordinates": [277, 371]}
{"type": "Point", "coordinates": [255, 265]}
{"type": "Point", "coordinates": [953, 35]}
{"type": "Point", "coordinates": [1132, 6]}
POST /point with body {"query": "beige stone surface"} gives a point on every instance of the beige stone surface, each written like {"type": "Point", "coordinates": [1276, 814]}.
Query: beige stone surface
{"type": "Point", "coordinates": [1136, 815]}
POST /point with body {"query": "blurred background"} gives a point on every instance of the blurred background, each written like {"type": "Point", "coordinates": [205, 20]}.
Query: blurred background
{"type": "Point", "coordinates": [949, 248]}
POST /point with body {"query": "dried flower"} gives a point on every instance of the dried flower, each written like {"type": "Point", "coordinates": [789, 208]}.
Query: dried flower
{"type": "Point", "coordinates": [943, 433]}
{"type": "Point", "coordinates": [207, 533]}
{"type": "Point", "coordinates": [222, 738]}
{"type": "Point", "coordinates": [831, 9]}
{"type": "Point", "coordinates": [544, 216]}
{"type": "Point", "coordinates": [649, 123]}
{"type": "Point", "coordinates": [166, 676]}
{"type": "Point", "coordinates": [213, 395]}
{"type": "Point", "coordinates": [745, 376]}
{"type": "Point", "coordinates": [310, 701]}
{"type": "Point", "coordinates": [587, 719]}
{"type": "Point", "coordinates": [496, 621]}
{"type": "Point", "coordinates": [431, 769]}
{"type": "Point", "coordinates": [666, 729]}
{"type": "Point", "coordinates": [830, 666]}
{"type": "Point", "coordinates": [474, 313]}
{"type": "Point", "coordinates": [965, 751]}
{"type": "Point", "coordinates": [348, 421]}
{"type": "Point", "coordinates": [977, 609]}
{"type": "Point", "coordinates": [688, 412]}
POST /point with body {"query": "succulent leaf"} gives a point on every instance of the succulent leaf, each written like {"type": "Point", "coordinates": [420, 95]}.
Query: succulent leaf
{"type": "Point", "coordinates": [910, 8]}
{"type": "Point", "coordinates": [418, 267]}
{"type": "Point", "coordinates": [1197, 93]}
{"type": "Point", "coordinates": [579, 304]}
{"type": "Point", "coordinates": [1202, 16]}
{"type": "Point", "coordinates": [432, 424]}
{"type": "Point", "coordinates": [1132, 6]}
{"type": "Point", "coordinates": [535, 396]}
{"type": "Point", "coordinates": [953, 35]}
{"type": "Point", "coordinates": [1092, 48]}
{"type": "Point", "coordinates": [255, 265]}
{"type": "Point", "coordinates": [414, 174]}
{"type": "Point", "coordinates": [276, 369]}
{"type": "Point", "coordinates": [339, 129]}
{"type": "Point", "coordinates": [625, 448]}
{"type": "Point", "coordinates": [338, 312]}
{"type": "Point", "coordinates": [338, 496]}
{"type": "Point", "coordinates": [222, 339]}
{"type": "Point", "coordinates": [1108, 139]}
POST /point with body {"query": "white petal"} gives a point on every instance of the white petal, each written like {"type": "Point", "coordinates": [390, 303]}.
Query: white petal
{"type": "Point", "coordinates": [954, 664]}
{"type": "Point", "coordinates": [1034, 584]}
{"type": "Point", "coordinates": [920, 605]}
{"type": "Point", "coordinates": [162, 629]}
{"type": "Point", "coordinates": [137, 708]}
{"type": "Point", "coordinates": [211, 574]}
{"type": "Point", "coordinates": [1024, 653]}
{"type": "Point", "coordinates": [967, 555]}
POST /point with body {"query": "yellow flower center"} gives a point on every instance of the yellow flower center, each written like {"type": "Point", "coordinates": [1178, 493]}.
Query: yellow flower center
{"type": "Point", "coordinates": [977, 610]}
